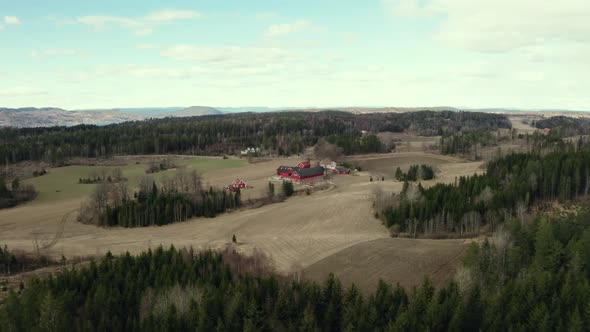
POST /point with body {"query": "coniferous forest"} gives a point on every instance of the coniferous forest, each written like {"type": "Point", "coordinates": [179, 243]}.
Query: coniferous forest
{"type": "Point", "coordinates": [532, 277]}
{"type": "Point", "coordinates": [564, 125]}
{"type": "Point", "coordinates": [415, 173]}
{"type": "Point", "coordinates": [511, 186]}
{"type": "Point", "coordinates": [282, 133]}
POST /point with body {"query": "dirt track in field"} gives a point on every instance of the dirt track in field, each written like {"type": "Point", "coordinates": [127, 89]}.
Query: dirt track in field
{"type": "Point", "coordinates": [322, 229]}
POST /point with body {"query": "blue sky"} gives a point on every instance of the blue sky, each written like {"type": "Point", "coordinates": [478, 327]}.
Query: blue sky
{"type": "Point", "coordinates": [464, 53]}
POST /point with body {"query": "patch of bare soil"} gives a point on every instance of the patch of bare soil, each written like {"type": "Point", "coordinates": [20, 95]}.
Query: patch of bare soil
{"type": "Point", "coordinates": [394, 260]}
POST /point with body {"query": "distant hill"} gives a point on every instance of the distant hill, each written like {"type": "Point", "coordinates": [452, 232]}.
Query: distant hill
{"type": "Point", "coordinates": [29, 109]}
{"type": "Point", "coordinates": [195, 111]}
{"type": "Point", "coordinates": [52, 116]}
{"type": "Point", "coordinates": [47, 117]}
{"type": "Point", "coordinates": [151, 111]}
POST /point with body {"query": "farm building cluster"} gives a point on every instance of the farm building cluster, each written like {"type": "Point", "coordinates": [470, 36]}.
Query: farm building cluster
{"type": "Point", "coordinates": [305, 173]}
{"type": "Point", "coordinates": [236, 185]}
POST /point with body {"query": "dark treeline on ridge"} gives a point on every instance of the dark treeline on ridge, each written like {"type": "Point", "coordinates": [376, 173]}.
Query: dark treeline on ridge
{"type": "Point", "coordinates": [565, 126]}
{"type": "Point", "coordinates": [279, 133]}
{"type": "Point", "coordinates": [530, 277]}
{"type": "Point", "coordinates": [510, 187]}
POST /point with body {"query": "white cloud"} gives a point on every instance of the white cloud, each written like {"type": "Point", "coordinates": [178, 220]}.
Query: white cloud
{"type": "Point", "coordinates": [54, 52]}
{"type": "Point", "coordinates": [143, 32]}
{"type": "Point", "coordinates": [102, 21]}
{"type": "Point", "coordinates": [167, 15]}
{"type": "Point", "coordinates": [140, 26]}
{"type": "Point", "coordinates": [501, 25]}
{"type": "Point", "coordinates": [21, 91]}
{"type": "Point", "coordinates": [286, 28]}
{"type": "Point", "coordinates": [226, 55]}
{"type": "Point", "coordinates": [11, 20]}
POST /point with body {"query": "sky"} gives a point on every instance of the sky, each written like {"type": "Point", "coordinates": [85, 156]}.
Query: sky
{"type": "Point", "coordinates": [95, 54]}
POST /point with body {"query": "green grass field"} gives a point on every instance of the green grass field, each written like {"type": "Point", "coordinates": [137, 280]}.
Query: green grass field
{"type": "Point", "coordinates": [62, 183]}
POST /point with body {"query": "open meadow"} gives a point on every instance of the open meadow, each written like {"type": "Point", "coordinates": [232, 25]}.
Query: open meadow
{"type": "Point", "coordinates": [61, 183]}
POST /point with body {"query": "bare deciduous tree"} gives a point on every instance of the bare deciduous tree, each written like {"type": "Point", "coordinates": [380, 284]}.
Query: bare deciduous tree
{"type": "Point", "coordinates": [325, 150]}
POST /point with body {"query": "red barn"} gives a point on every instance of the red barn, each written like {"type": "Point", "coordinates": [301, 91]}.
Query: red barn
{"type": "Point", "coordinates": [307, 175]}
{"type": "Point", "coordinates": [304, 164]}
{"type": "Point", "coordinates": [286, 171]}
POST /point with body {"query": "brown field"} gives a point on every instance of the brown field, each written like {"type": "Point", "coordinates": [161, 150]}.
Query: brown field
{"type": "Point", "coordinates": [386, 164]}
{"type": "Point", "coordinates": [523, 128]}
{"type": "Point", "coordinates": [305, 232]}
{"type": "Point", "coordinates": [394, 260]}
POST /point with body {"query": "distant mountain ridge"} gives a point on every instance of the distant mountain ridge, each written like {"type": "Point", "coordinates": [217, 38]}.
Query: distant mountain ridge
{"type": "Point", "coordinates": [196, 111]}
{"type": "Point", "coordinates": [47, 117]}
{"type": "Point", "coordinates": [29, 109]}
{"type": "Point", "coordinates": [53, 116]}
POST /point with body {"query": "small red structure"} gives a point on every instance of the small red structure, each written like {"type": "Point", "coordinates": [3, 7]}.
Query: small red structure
{"type": "Point", "coordinates": [304, 164]}
{"type": "Point", "coordinates": [238, 184]}
{"type": "Point", "coordinates": [341, 170]}
{"type": "Point", "coordinates": [546, 131]}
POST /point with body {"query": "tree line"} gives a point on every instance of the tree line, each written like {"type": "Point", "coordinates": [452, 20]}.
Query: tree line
{"type": "Point", "coordinates": [415, 173]}
{"type": "Point", "coordinates": [281, 133]}
{"type": "Point", "coordinates": [175, 200]}
{"type": "Point", "coordinates": [467, 144]}
{"type": "Point", "coordinates": [510, 187]}
{"type": "Point", "coordinates": [353, 144]}
{"type": "Point", "coordinates": [104, 175]}
{"type": "Point", "coordinates": [564, 126]}
{"type": "Point", "coordinates": [531, 277]}
{"type": "Point", "coordinates": [12, 262]}
{"type": "Point", "coordinates": [16, 194]}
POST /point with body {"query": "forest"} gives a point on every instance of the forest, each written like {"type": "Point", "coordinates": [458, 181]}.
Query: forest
{"type": "Point", "coordinates": [565, 126]}
{"type": "Point", "coordinates": [511, 186]}
{"type": "Point", "coordinates": [415, 173]}
{"type": "Point", "coordinates": [467, 144]}
{"type": "Point", "coordinates": [16, 194]}
{"type": "Point", "coordinates": [176, 199]}
{"type": "Point", "coordinates": [281, 133]}
{"type": "Point", "coordinates": [533, 276]}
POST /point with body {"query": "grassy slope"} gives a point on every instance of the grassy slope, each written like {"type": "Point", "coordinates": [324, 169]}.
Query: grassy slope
{"type": "Point", "coordinates": [62, 183]}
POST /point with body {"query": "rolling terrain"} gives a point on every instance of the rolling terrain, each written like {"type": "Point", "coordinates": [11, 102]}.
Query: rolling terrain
{"type": "Point", "coordinates": [301, 234]}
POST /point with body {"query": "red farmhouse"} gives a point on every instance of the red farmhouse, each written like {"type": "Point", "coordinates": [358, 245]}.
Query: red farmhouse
{"type": "Point", "coordinates": [307, 175]}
